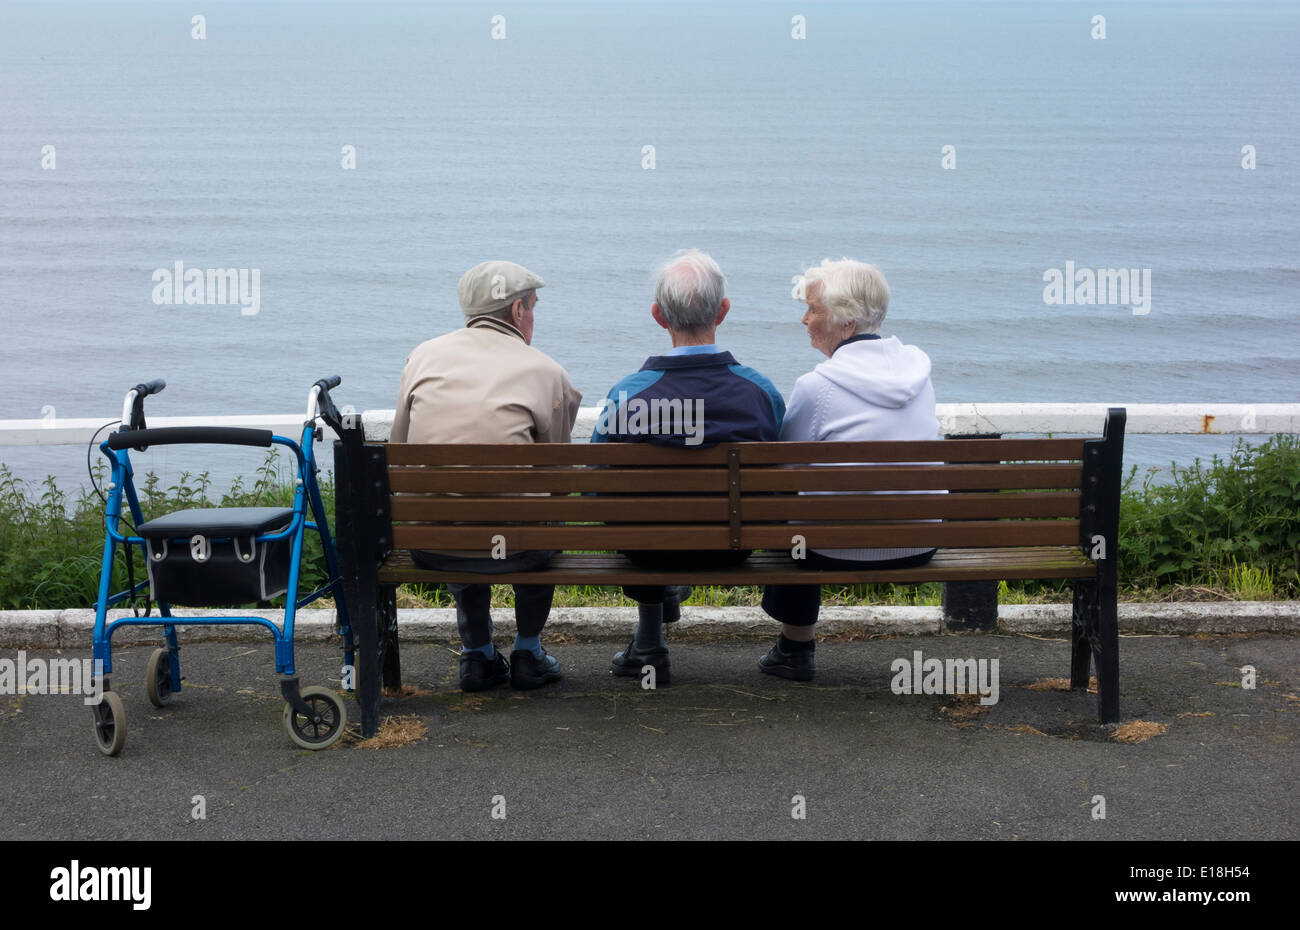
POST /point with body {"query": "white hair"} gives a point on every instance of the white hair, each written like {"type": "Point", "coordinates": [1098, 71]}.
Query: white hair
{"type": "Point", "coordinates": [853, 292]}
{"type": "Point", "coordinates": [689, 289]}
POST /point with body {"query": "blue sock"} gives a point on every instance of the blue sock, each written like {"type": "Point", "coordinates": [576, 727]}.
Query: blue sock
{"type": "Point", "coordinates": [487, 651]}
{"type": "Point", "coordinates": [532, 644]}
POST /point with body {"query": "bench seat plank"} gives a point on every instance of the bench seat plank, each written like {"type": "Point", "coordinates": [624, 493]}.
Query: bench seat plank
{"type": "Point", "coordinates": [769, 568]}
{"type": "Point", "coordinates": [676, 536]}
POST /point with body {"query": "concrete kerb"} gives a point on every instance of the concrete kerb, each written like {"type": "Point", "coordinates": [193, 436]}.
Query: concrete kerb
{"type": "Point", "coordinates": [1167, 618]}
{"type": "Point", "coordinates": [72, 629]}
{"type": "Point", "coordinates": [31, 629]}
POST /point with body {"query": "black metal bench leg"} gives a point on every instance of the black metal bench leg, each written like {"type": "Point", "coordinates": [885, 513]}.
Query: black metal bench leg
{"type": "Point", "coordinates": [1099, 537]}
{"type": "Point", "coordinates": [366, 625]}
{"type": "Point", "coordinates": [970, 605]}
{"type": "Point", "coordinates": [1107, 650]}
{"type": "Point", "coordinates": [1081, 633]}
{"type": "Point", "coordinates": [357, 567]}
{"type": "Point", "coordinates": [390, 661]}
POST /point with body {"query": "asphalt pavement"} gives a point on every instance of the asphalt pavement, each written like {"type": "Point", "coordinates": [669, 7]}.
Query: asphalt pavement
{"type": "Point", "coordinates": [723, 753]}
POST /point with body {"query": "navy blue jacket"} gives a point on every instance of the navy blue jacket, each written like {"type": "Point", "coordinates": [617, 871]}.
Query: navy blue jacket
{"type": "Point", "coordinates": [694, 401]}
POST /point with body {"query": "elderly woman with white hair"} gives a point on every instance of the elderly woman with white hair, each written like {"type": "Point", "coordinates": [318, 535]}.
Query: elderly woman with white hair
{"type": "Point", "coordinates": [870, 387]}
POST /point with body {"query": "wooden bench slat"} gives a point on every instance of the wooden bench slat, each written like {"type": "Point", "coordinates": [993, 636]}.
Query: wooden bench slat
{"type": "Point", "coordinates": [671, 536]}
{"type": "Point", "coordinates": [768, 568]}
{"type": "Point", "coordinates": [910, 506]}
{"type": "Point", "coordinates": [679, 536]}
{"type": "Point", "coordinates": [551, 453]}
{"type": "Point", "coordinates": [435, 508]}
{"type": "Point", "coordinates": [910, 478]}
{"type": "Point", "coordinates": [557, 479]}
{"type": "Point", "coordinates": [939, 450]}
{"type": "Point", "coordinates": [763, 478]}
{"type": "Point", "coordinates": [985, 533]}
{"type": "Point", "coordinates": [1009, 557]}
{"type": "Point", "coordinates": [519, 509]}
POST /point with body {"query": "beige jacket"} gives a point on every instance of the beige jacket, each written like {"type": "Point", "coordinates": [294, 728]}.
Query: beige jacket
{"type": "Point", "coordinates": [483, 383]}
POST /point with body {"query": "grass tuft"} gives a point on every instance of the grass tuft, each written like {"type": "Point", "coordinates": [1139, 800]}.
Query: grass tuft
{"type": "Point", "coordinates": [1138, 731]}
{"type": "Point", "coordinates": [394, 731]}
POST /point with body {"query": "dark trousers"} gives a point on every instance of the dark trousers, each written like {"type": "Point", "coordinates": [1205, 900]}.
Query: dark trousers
{"type": "Point", "coordinates": [799, 604]}
{"type": "Point", "coordinates": [703, 558]}
{"type": "Point", "coordinates": [473, 616]}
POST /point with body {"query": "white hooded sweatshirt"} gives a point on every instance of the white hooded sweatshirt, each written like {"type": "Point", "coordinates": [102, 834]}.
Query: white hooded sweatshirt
{"type": "Point", "coordinates": [869, 389]}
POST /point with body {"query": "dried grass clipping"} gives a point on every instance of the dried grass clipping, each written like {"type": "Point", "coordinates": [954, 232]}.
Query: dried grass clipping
{"type": "Point", "coordinates": [1139, 731]}
{"type": "Point", "coordinates": [965, 707]}
{"type": "Point", "coordinates": [406, 691]}
{"type": "Point", "coordinates": [394, 731]}
{"type": "Point", "coordinates": [1059, 684]}
{"type": "Point", "coordinates": [1026, 728]}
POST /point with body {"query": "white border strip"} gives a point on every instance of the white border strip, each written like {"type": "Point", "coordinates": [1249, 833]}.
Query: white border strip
{"type": "Point", "coordinates": [955, 420]}
{"type": "Point", "coordinates": [71, 629]}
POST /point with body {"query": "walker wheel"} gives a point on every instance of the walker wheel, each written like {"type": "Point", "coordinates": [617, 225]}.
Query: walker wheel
{"type": "Point", "coordinates": [110, 724]}
{"type": "Point", "coordinates": [321, 730]}
{"type": "Point", "coordinates": [158, 678]}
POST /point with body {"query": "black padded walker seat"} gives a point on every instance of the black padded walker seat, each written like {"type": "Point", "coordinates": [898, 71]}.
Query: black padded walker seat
{"type": "Point", "coordinates": [217, 522]}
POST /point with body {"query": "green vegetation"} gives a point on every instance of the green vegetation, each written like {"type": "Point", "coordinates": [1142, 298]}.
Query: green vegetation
{"type": "Point", "coordinates": [51, 544]}
{"type": "Point", "coordinates": [1230, 528]}
{"type": "Point", "coordinates": [1232, 524]}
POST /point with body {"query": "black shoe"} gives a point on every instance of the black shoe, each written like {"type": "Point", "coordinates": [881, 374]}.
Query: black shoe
{"type": "Point", "coordinates": [673, 598]}
{"type": "Point", "coordinates": [478, 672]}
{"type": "Point", "coordinates": [797, 666]}
{"type": "Point", "coordinates": [629, 662]}
{"type": "Point", "coordinates": [528, 672]}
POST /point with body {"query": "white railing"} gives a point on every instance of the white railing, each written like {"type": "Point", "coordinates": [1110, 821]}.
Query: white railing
{"type": "Point", "coordinates": [955, 420]}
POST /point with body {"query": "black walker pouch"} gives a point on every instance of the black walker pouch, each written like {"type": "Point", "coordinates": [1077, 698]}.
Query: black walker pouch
{"type": "Point", "coordinates": [202, 572]}
{"type": "Point", "coordinates": [218, 557]}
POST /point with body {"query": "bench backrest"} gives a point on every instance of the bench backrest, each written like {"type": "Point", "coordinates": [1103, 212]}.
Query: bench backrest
{"type": "Point", "coordinates": [1002, 493]}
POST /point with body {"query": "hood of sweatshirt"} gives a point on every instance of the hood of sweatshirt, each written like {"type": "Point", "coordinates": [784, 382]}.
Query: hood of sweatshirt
{"type": "Point", "coordinates": [883, 372]}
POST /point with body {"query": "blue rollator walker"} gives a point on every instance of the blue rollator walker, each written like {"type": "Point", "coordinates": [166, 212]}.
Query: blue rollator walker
{"type": "Point", "coordinates": [208, 557]}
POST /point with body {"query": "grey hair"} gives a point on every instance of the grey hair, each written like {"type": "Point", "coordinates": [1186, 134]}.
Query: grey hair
{"type": "Point", "coordinates": [689, 289]}
{"type": "Point", "coordinates": [853, 292]}
{"type": "Point", "coordinates": [503, 313]}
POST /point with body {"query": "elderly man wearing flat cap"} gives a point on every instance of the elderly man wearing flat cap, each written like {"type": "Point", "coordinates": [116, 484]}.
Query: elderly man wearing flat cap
{"type": "Point", "coordinates": [486, 383]}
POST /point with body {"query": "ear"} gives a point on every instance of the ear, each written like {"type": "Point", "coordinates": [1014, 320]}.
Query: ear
{"type": "Point", "coordinates": [722, 311]}
{"type": "Point", "coordinates": [658, 316]}
{"type": "Point", "coordinates": [518, 311]}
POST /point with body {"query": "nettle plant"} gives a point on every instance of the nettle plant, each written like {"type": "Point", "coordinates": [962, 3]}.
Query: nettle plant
{"type": "Point", "coordinates": [1231, 523]}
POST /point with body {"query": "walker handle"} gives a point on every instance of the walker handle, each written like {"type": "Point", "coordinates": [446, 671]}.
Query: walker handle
{"type": "Point", "coordinates": [133, 403]}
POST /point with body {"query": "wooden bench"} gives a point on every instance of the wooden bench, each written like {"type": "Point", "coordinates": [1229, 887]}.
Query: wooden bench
{"type": "Point", "coordinates": [1016, 509]}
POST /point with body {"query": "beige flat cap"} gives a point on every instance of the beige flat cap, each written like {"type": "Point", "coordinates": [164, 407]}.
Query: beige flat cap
{"type": "Point", "coordinates": [493, 285]}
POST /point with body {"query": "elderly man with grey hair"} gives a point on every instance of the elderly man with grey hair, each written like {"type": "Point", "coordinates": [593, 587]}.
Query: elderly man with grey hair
{"type": "Point", "coordinates": [711, 397]}
{"type": "Point", "coordinates": [485, 382]}
{"type": "Point", "coordinates": [869, 388]}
